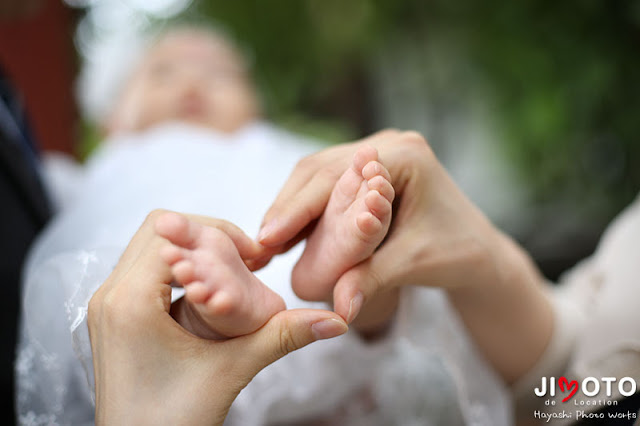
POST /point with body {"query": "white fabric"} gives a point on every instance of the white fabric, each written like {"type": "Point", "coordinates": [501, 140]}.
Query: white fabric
{"type": "Point", "coordinates": [62, 177]}
{"type": "Point", "coordinates": [425, 373]}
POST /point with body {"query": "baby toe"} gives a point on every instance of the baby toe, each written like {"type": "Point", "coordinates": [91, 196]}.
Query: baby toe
{"type": "Point", "coordinates": [174, 227]}
{"type": "Point", "coordinates": [383, 186]}
{"type": "Point", "coordinates": [364, 155]}
{"type": "Point", "coordinates": [184, 272]}
{"type": "Point", "coordinates": [378, 205]}
{"type": "Point", "coordinates": [368, 224]}
{"type": "Point", "coordinates": [197, 292]}
{"type": "Point", "coordinates": [222, 303]}
{"type": "Point", "coordinates": [171, 254]}
{"type": "Point", "coordinates": [375, 168]}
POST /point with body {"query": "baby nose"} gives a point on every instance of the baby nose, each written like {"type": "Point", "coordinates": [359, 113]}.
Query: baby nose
{"type": "Point", "coordinates": [191, 80]}
{"type": "Point", "coordinates": [191, 87]}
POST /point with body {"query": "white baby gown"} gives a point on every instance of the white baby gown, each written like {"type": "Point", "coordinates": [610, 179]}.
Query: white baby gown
{"type": "Point", "coordinates": [426, 372]}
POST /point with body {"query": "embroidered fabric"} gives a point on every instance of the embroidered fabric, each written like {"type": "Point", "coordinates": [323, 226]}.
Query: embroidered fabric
{"type": "Point", "coordinates": [426, 372]}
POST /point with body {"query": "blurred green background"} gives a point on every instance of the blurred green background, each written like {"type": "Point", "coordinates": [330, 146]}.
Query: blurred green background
{"type": "Point", "coordinates": [532, 105]}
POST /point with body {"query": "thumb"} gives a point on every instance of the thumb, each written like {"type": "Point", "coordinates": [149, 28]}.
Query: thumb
{"type": "Point", "coordinates": [360, 284]}
{"type": "Point", "coordinates": [285, 332]}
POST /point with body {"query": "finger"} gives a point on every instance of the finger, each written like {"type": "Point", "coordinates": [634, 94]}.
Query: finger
{"type": "Point", "coordinates": [140, 275]}
{"type": "Point", "coordinates": [172, 254]}
{"type": "Point", "coordinates": [150, 276]}
{"type": "Point", "coordinates": [138, 291]}
{"type": "Point", "coordinates": [247, 247]}
{"type": "Point", "coordinates": [300, 176]}
{"type": "Point", "coordinates": [362, 282]}
{"type": "Point", "coordinates": [256, 264]}
{"type": "Point", "coordinates": [335, 158]}
{"type": "Point", "coordinates": [270, 252]}
{"type": "Point", "coordinates": [138, 245]}
{"type": "Point", "coordinates": [314, 179]}
{"type": "Point", "coordinates": [286, 332]}
{"type": "Point", "coordinates": [143, 252]}
{"type": "Point", "coordinates": [306, 193]}
{"type": "Point", "coordinates": [331, 162]}
{"type": "Point", "coordinates": [307, 206]}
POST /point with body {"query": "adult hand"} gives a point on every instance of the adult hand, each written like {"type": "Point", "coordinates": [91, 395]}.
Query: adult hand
{"type": "Point", "coordinates": [437, 238]}
{"type": "Point", "coordinates": [433, 223]}
{"type": "Point", "coordinates": [149, 370]}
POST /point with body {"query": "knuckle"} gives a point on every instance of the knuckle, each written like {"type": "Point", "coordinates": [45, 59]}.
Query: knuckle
{"type": "Point", "coordinates": [221, 243]}
{"type": "Point", "coordinates": [415, 144]}
{"type": "Point", "coordinates": [226, 227]}
{"type": "Point", "coordinates": [413, 138]}
{"type": "Point", "coordinates": [110, 304]}
{"type": "Point", "coordinates": [287, 343]}
{"type": "Point", "coordinates": [326, 175]}
{"type": "Point", "coordinates": [154, 215]}
{"type": "Point", "coordinates": [305, 163]}
{"type": "Point", "coordinates": [388, 132]}
{"type": "Point", "coordinates": [376, 283]}
{"type": "Point", "coordinates": [217, 234]}
{"type": "Point", "coordinates": [115, 307]}
{"type": "Point", "coordinates": [307, 214]}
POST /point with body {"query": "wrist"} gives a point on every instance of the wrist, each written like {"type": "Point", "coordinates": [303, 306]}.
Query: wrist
{"type": "Point", "coordinates": [152, 409]}
{"type": "Point", "coordinates": [507, 311]}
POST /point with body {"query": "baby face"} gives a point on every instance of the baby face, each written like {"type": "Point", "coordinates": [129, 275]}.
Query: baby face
{"type": "Point", "coordinates": [188, 76]}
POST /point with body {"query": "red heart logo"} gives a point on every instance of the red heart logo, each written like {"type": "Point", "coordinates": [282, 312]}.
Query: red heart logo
{"type": "Point", "coordinates": [562, 382]}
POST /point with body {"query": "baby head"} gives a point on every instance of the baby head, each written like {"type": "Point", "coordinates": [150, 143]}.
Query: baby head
{"type": "Point", "coordinates": [188, 74]}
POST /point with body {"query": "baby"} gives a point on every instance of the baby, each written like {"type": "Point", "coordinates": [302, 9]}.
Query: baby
{"type": "Point", "coordinates": [225, 299]}
{"type": "Point", "coordinates": [184, 135]}
{"type": "Point", "coordinates": [191, 75]}
{"type": "Point", "coordinates": [197, 76]}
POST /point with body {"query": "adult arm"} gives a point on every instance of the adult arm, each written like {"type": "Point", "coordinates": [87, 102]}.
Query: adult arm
{"type": "Point", "coordinates": [437, 238]}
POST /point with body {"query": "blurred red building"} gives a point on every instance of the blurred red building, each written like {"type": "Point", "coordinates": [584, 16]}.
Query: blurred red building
{"type": "Point", "coordinates": [37, 54]}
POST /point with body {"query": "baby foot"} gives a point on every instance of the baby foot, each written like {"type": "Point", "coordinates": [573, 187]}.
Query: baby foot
{"type": "Point", "coordinates": [354, 223]}
{"type": "Point", "coordinates": [224, 299]}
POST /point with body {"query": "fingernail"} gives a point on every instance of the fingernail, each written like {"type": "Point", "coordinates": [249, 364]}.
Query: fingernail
{"type": "Point", "coordinates": [354, 307]}
{"type": "Point", "coordinates": [266, 230]}
{"type": "Point", "coordinates": [328, 328]}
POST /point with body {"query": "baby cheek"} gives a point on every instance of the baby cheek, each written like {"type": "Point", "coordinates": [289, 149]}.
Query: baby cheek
{"type": "Point", "coordinates": [238, 101]}
{"type": "Point", "coordinates": [154, 109]}
{"type": "Point", "coordinates": [165, 103]}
